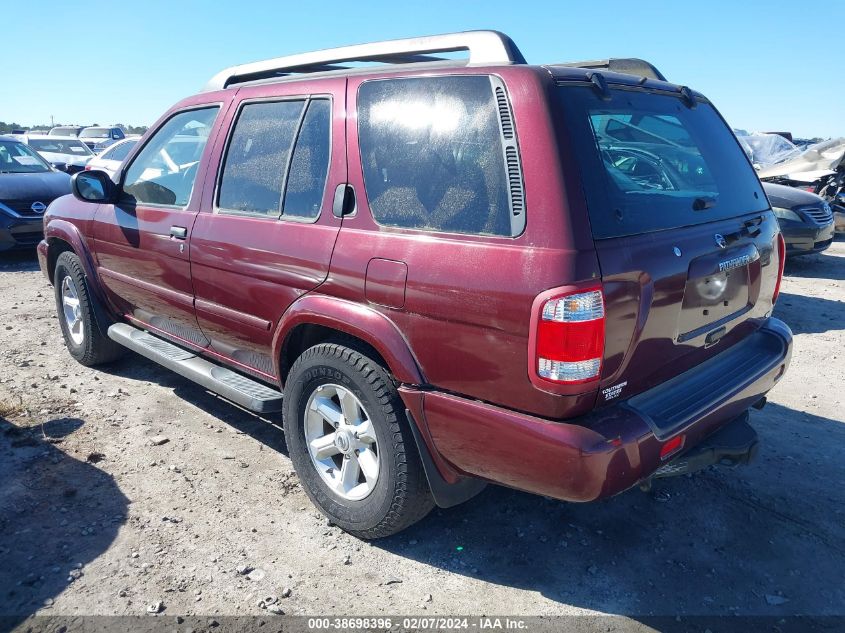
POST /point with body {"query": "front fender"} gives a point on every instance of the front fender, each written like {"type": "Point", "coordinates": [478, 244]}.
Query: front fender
{"type": "Point", "coordinates": [65, 231]}
{"type": "Point", "coordinates": [354, 319]}
{"type": "Point", "coordinates": [62, 230]}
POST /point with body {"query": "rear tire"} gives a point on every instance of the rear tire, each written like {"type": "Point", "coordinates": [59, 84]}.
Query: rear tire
{"type": "Point", "coordinates": [388, 492]}
{"type": "Point", "coordinates": [74, 304]}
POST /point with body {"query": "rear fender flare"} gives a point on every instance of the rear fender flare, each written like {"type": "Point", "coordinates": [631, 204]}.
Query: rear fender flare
{"type": "Point", "coordinates": [354, 319]}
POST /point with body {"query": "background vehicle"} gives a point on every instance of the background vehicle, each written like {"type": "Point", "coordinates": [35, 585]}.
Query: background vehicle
{"type": "Point", "coordinates": [110, 159]}
{"type": "Point", "coordinates": [66, 130]}
{"type": "Point", "coordinates": [806, 220]}
{"type": "Point", "coordinates": [27, 186]}
{"type": "Point", "coordinates": [99, 138]}
{"type": "Point", "coordinates": [445, 272]}
{"type": "Point", "coordinates": [65, 153]}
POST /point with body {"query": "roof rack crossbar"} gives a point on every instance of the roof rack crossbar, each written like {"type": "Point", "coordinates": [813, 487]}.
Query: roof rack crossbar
{"type": "Point", "coordinates": [483, 47]}
{"type": "Point", "coordinates": [626, 65]}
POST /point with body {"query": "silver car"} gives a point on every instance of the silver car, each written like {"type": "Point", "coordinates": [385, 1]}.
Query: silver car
{"type": "Point", "coordinates": [109, 161]}
{"type": "Point", "coordinates": [66, 153]}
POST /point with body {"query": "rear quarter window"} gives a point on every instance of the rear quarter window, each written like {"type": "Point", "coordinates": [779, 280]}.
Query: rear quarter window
{"type": "Point", "coordinates": [433, 156]}
{"type": "Point", "coordinates": [650, 162]}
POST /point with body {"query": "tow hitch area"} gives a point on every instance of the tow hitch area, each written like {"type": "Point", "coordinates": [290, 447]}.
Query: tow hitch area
{"type": "Point", "coordinates": [735, 443]}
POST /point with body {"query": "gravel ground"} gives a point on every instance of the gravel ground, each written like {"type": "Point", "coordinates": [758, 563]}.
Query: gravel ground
{"type": "Point", "coordinates": [127, 488]}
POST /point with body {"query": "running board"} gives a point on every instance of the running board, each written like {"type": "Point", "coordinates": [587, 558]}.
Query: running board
{"type": "Point", "coordinates": [241, 390]}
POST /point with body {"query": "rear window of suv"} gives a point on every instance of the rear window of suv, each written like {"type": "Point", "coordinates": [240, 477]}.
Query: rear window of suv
{"type": "Point", "coordinates": [650, 162]}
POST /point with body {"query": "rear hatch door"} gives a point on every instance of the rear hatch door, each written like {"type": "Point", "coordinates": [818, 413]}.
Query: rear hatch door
{"type": "Point", "coordinates": [682, 228]}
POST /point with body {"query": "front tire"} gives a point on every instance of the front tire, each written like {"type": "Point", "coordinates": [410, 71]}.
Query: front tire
{"type": "Point", "coordinates": [74, 304]}
{"type": "Point", "coordinates": [350, 443]}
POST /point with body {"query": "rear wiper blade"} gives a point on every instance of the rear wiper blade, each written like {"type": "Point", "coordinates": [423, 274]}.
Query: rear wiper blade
{"type": "Point", "coordinates": [700, 204]}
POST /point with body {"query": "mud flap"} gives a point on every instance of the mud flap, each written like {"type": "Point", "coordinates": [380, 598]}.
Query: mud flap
{"type": "Point", "coordinates": [445, 494]}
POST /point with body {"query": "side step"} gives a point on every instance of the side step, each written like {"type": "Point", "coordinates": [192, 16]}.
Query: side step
{"type": "Point", "coordinates": [241, 390]}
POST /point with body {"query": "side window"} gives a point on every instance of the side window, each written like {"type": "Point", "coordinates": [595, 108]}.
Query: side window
{"type": "Point", "coordinates": [253, 174]}
{"type": "Point", "coordinates": [166, 168]}
{"type": "Point", "coordinates": [310, 164]}
{"type": "Point", "coordinates": [432, 154]}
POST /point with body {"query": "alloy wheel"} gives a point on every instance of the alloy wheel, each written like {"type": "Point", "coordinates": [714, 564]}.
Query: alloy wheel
{"type": "Point", "coordinates": [342, 442]}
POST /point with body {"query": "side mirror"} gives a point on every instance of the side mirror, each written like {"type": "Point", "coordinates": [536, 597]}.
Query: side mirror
{"type": "Point", "coordinates": [93, 186]}
{"type": "Point", "coordinates": [60, 166]}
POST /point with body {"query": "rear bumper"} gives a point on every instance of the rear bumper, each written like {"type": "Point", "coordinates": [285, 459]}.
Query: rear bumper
{"type": "Point", "coordinates": [802, 240]}
{"type": "Point", "coordinates": [615, 447]}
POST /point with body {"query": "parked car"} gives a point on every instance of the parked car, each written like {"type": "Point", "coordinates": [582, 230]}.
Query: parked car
{"type": "Point", "coordinates": [65, 153]}
{"type": "Point", "coordinates": [839, 213]}
{"type": "Point", "coordinates": [110, 159]}
{"type": "Point", "coordinates": [99, 138]}
{"type": "Point", "coordinates": [28, 184]}
{"type": "Point", "coordinates": [806, 220]}
{"type": "Point", "coordinates": [66, 130]}
{"type": "Point", "coordinates": [445, 274]}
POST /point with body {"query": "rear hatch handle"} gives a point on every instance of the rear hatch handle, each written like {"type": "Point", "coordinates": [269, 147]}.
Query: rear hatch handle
{"type": "Point", "coordinates": [751, 228]}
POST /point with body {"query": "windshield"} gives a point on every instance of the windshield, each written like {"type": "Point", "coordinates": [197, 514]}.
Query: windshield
{"type": "Point", "coordinates": [64, 131]}
{"type": "Point", "coordinates": [765, 150]}
{"type": "Point", "coordinates": [95, 132]}
{"type": "Point", "coordinates": [60, 146]}
{"type": "Point", "coordinates": [649, 162]}
{"type": "Point", "coordinates": [17, 158]}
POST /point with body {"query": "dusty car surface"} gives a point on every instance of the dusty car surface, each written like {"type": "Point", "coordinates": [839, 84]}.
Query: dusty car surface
{"type": "Point", "coordinates": [806, 220]}
{"type": "Point", "coordinates": [445, 272]}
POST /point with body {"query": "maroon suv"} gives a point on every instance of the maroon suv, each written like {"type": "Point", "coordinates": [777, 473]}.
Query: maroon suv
{"type": "Point", "coordinates": [443, 271]}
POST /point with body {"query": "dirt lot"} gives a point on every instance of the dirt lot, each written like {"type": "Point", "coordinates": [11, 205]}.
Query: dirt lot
{"type": "Point", "coordinates": [96, 519]}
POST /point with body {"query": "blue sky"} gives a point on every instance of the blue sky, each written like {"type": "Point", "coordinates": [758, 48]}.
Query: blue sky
{"type": "Point", "coordinates": [772, 65]}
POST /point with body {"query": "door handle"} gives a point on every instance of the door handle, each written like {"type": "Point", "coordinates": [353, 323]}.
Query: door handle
{"type": "Point", "coordinates": [179, 232]}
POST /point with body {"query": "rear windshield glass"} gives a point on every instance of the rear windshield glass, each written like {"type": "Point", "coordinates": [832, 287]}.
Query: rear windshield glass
{"type": "Point", "coordinates": [119, 151]}
{"type": "Point", "coordinates": [59, 146]}
{"type": "Point", "coordinates": [649, 162]}
{"type": "Point", "coordinates": [95, 132]}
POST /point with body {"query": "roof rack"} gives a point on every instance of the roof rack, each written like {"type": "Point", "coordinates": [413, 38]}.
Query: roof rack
{"type": "Point", "coordinates": [626, 65]}
{"type": "Point", "coordinates": [484, 47]}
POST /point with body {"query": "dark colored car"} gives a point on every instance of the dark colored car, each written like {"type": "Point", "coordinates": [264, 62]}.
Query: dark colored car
{"type": "Point", "coordinates": [806, 220]}
{"type": "Point", "coordinates": [28, 184]}
{"type": "Point", "coordinates": [444, 272]}
{"type": "Point", "coordinates": [99, 138]}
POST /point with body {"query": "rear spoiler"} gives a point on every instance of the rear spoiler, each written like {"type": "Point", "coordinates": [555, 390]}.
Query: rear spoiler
{"type": "Point", "coordinates": [625, 65]}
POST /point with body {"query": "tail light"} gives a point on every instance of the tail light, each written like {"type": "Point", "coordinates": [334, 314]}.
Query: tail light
{"type": "Point", "coordinates": [781, 262]}
{"type": "Point", "coordinates": [570, 337]}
